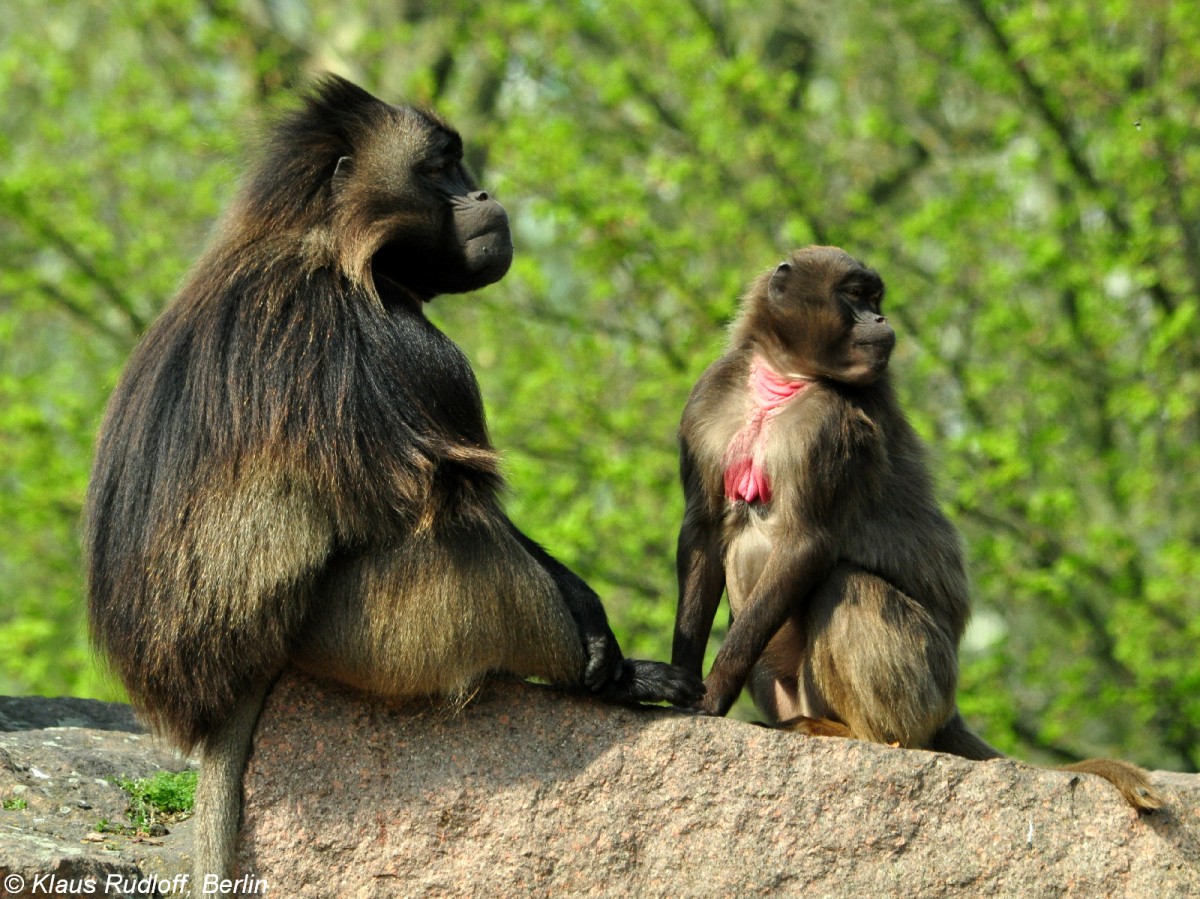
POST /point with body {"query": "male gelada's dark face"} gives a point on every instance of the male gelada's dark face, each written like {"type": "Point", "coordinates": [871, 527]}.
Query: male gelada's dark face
{"type": "Point", "coordinates": [444, 235]}
{"type": "Point", "coordinates": [477, 233]}
{"type": "Point", "coordinates": [481, 230]}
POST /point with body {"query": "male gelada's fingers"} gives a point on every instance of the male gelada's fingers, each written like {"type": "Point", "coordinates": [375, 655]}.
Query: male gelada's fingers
{"type": "Point", "coordinates": [604, 662]}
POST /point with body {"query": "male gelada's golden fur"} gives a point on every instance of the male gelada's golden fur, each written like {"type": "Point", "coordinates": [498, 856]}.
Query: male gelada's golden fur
{"type": "Point", "coordinates": [295, 468]}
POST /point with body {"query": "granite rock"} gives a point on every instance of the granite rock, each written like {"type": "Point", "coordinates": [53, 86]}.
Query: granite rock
{"type": "Point", "coordinates": [59, 760]}
{"type": "Point", "coordinates": [528, 791]}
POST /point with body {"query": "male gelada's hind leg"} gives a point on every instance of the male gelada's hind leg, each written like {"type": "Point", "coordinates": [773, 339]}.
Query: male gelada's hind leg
{"type": "Point", "coordinates": [433, 614]}
{"type": "Point", "coordinates": [876, 660]}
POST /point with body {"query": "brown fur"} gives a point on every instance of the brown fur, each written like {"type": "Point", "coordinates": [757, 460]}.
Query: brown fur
{"type": "Point", "coordinates": [295, 467]}
{"type": "Point", "coordinates": [848, 590]}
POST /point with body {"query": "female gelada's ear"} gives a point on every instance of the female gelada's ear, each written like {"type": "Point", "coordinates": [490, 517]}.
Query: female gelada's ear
{"type": "Point", "coordinates": [777, 287]}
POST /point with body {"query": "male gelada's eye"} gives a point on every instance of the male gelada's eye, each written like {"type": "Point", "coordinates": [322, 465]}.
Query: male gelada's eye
{"type": "Point", "coordinates": [440, 165]}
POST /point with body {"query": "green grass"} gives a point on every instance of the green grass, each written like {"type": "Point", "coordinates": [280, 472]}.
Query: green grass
{"type": "Point", "coordinates": [164, 796]}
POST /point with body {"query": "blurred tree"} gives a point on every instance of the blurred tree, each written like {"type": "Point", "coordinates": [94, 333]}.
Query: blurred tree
{"type": "Point", "coordinates": [1024, 175]}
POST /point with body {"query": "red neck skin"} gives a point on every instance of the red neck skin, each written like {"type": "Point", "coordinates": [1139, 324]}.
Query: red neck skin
{"type": "Point", "coordinates": [745, 477]}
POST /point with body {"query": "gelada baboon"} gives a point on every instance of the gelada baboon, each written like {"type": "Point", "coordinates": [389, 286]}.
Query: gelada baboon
{"type": "Point", "coordinates": [295, 468]}
{"type": "Point", "coordinates": [810, 504]}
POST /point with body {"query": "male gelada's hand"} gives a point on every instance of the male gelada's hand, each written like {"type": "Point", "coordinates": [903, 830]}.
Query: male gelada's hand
{"type": "Point", "coordinates": [604, 661]}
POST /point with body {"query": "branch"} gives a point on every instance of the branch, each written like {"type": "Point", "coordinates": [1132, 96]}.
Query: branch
{"type": "Point", "coordinates": [720, 34]}
{"type": "Point", "coordinates": [578, 324]}
{"type": "Point", "coordinates": [1032, 737]}
{"type": "Point", "coordinates": [1040, 98]}
{"type": "Point", "coordinates": [49, 233]}
{"type": "Point", "coordinates": [1047, 550]}
{"type": "Point", "coordinates": [883, 190]}
{"type": "Point", "coordinates": [81, 312]}
{"type": "Point", "coordinates": [1189, 228]}
{"type": "Point", "coordinates": [749, 110]}
{"type": "Point", "coordinates": [1173, 169]}
{"type": "Point", "coordinates": [267, 40]}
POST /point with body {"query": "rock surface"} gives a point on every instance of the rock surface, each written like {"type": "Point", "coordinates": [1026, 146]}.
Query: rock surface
{"type": "Point", "coordinates": [529, 792]}
{"type": "Point", "coordinates": [58, 762]}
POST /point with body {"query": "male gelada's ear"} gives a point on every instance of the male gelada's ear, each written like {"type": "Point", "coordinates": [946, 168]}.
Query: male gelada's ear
{"type": "Point", "coordinates": [777, 287]}
{"type": "Point", "coordinates": [342, 172]}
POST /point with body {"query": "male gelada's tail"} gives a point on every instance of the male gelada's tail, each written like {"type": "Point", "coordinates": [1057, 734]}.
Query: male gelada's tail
{"type": "Point", "coordinates": [956, 738]}
{"type": "Point", "coordinates": [223, 758]}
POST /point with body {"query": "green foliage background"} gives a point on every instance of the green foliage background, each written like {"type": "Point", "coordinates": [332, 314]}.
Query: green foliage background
{"type": "Point", "coordinates": [1026, 176]}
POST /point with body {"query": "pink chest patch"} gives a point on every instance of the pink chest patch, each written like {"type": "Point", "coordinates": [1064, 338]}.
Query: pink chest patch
{"type": "Point", "coordinates": [745, 477]}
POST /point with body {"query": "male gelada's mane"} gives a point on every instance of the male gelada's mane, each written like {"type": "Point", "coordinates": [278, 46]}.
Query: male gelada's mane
{"type": "Point", "coordinates": [294, 427]}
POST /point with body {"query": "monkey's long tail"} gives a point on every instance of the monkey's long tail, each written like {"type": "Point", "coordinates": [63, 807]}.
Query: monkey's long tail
{"type": "Point", "coordinates": [223, 757]}
{"type": "Point", "coordinates": [1130, 780]}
